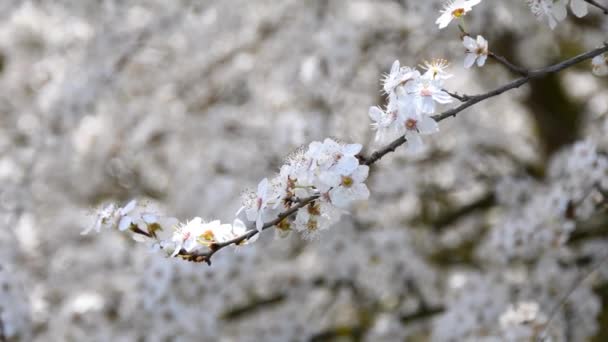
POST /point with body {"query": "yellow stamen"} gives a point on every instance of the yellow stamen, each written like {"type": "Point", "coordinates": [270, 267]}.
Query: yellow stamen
{"type": "Point", "coordinates": [208, 235]}
{"type": "Point", "coordinates": [347, 181]}
{"type": "Point", "coordinates": [457, 13]}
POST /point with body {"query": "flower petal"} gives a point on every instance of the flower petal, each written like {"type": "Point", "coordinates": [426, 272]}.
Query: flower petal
{"type": "Point", "coordinates": [427, 125]}
{"type": "Point", "coordinates": [469, 59]}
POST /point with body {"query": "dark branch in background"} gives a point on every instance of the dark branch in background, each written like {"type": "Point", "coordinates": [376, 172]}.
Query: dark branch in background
{"type": "Point", "coordinates": [391, 147]}
{"type": "Point", "coordinates": [598, 5]}
{"type": "Point", "coordinates": [442, 221]}
{"type": "Point", "coordinates": [541, 336]}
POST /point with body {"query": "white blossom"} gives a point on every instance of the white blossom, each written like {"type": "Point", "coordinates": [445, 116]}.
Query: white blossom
{"type": "Point", "coordinates": [426, 94]}
{"type": "Point", "coordinates": [553, 10]}
{"type": "Point", "coordinates": [195, 235]}
{"type": "Point", "coordinates": [454, 9]}
{"type": "Point", "coordinates": [436, 69]}
{"type": "Point", "coordinates": [579, 8]}
{"type": "Point", "coordinates": [398, 76]}
{"type": "Point", "coordinates": [345, 188]}
{"type": "Point", "coordinates": [476, 50]}
{"type": "Point", "coordinates": [383, 123]}
{"type": "Point", "coordinates": [256, 208]}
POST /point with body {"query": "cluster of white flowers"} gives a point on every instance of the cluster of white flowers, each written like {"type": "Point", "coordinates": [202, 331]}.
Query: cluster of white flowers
{"type": "Point", "coordinates": [329, 170]}
{"type": "Point", "coordinates": [555, 10]}
{"type": "Point", "coordinates": [549, 216]}
{"type": "Point", "coordinates": [412, 99]}
{"type": "Point", "coordinates": [160, 232]}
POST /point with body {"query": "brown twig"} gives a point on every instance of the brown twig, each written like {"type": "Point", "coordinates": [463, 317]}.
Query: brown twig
{"type": "Point", "coordinates": [461, 98]}
{"type": "Point", "coordinates": [516, 69]}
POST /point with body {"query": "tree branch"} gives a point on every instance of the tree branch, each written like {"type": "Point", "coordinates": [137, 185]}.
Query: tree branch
{"type": "Point", "coordinates": [461, 98]}
{"type": "Point", "coordinates": [206, 257]}
{"type": "Point", "coordinates": [516, 69]}
{"type": "Point", "coordinates": [474, 99]}
{"type": "Point", "coordinates": [391, 147]}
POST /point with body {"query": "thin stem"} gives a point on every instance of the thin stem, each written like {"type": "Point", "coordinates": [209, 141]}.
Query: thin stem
{"type": "Point", "coordinates": [516, 69]}
{"type": "Point", "coordinates": [461, 98]}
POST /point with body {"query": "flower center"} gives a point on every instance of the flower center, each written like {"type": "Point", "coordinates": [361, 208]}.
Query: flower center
{"type": "Point", "coordinates": [208, 235]}
{"type": "Point", "coordinates": [284, 225]}
{"type": "Point", "coordinates": [426, 92]}
{"type": "Point", "coordinates": [347, 181]}
{"type": "Point", "coordinates": [410, 124]}
{"type": "Point", "coordinates": [325, 197]}
{"type": "Point", "coordinates": [312, 224]}
{"type": "Point", "coordinates": [457, 13]}
{"type": "Point", "coordinates": [313, 209]}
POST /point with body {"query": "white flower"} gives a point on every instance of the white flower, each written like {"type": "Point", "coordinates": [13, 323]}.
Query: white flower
{"type": "Point", "coordinates": [125, 219]}
{"type": "Point", "coordinates": [383, 123]}
{"type": "Point", "coordinates": [185, 235]}
{"type": "Point", "coordinates": [398, 76]}
{"type": "Point", "coordinates": [553, 10]}
{"type": "Point", "coordinates": [343, 189]}
{"type": "Point", "coordinates": [435, 70]}
{"type": "Point", "coordinates": [426, 93]}
{"type": "Point", "coordinates": [476, 50]}
{"type": "Point", "coordinates": [408, 106]}
{"type": "Point", "coordinates": [316, 217]}
{"type": "Point", "coordinates": [308, 221]}
{"type": "Point", "coordinates": [284, 184]}
{"type": "Point", "coordinates": [111, 216]}
{"type": "Point", "coordinates": [195, 234]}
{"type": "Point", "coordinates": [239, 228]}
{"type": "Point", "coordinates": [416, 124]}
{"type": "Point", "coordinates": [330, 155]}
{"type": "Point", "coordinates": [579, 8]}
{"type": "Point", "coordinates": [259, 205]}
{"type": "Point", "coordinates": [104, 215]}
{"type": "Point", "coordinates": [454, 9]}
{"type": "Point", "coordinates": [600, 65]}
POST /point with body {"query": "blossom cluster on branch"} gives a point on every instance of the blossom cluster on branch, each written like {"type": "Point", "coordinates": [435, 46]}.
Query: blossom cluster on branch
{"type": "Point", "coordinates": [318, 183]}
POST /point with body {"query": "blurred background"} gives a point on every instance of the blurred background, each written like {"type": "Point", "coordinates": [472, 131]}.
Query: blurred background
{"type": "Point", "coordinates": [186, 104]}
